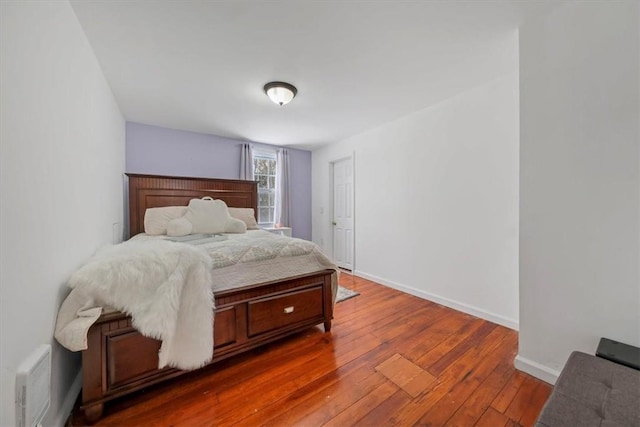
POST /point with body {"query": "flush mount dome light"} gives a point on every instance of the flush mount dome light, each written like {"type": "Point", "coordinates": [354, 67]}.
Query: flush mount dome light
{"type": "Point", "coordinates": [280, 92]}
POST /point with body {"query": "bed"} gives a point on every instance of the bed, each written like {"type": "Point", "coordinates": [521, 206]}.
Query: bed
{"type": "Point", "coordinates": [119, 360]}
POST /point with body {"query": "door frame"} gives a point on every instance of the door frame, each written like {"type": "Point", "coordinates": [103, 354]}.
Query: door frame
{"type": "Point", "coordinates": [332, 163]}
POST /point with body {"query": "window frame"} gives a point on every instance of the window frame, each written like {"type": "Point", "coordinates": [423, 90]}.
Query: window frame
{"type": "Point", "coordinates": [269, 191]}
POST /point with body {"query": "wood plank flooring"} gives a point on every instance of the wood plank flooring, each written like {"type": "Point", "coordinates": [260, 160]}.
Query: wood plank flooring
{"type": "Point", "coordinates": [464, 365]}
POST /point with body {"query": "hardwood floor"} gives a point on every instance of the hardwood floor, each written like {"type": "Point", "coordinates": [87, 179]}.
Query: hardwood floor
{"type": "Point", "coordinates": [390, 359]}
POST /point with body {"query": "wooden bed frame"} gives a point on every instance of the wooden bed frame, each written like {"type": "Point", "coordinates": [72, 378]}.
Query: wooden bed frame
{"type": "Point", "coordinates": [119, 360]}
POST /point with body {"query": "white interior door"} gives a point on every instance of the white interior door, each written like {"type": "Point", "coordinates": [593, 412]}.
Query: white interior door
{"type": "Point", "coordinates": [343, 213]}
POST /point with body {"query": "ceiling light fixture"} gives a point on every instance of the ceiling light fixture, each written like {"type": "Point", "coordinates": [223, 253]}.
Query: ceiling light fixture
{"type": "Point", "coordinates": [280, 92]}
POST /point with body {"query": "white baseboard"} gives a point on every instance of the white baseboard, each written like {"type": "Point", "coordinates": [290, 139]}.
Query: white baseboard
{"type": "Point", "coordinates": [465, 308]}
{"type": "Point", "coordinates": [539, 371]}
{"type": "Point", "coordinates": [69, 400]}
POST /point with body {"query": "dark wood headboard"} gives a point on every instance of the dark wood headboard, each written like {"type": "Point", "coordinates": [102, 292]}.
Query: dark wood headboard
{"type": "Point", "coordinates": [152, 191]}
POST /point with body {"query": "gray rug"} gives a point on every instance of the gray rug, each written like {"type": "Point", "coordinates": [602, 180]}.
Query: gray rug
{"type": "Point", "coordinates": [344, 293]}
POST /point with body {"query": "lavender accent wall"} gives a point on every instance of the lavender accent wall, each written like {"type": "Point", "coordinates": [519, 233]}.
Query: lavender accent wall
{"type": "Point", "coordinates": [161, 151]}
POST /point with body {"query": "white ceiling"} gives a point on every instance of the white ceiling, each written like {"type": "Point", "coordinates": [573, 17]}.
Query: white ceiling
{"type": "Point", "coordinates": [201, 65]}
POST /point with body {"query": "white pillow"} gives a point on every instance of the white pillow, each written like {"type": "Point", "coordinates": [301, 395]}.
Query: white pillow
{"type": "Point", "coordinates": [205, 216]}
{"type": "Point", "coordinates": [246, 215]}
{"type": "Point", "coordinates": [235, 225]}
{"type": "Point", "coordinates": [156, 220]}
{"type": "Point", "coordinates": [179, 227]}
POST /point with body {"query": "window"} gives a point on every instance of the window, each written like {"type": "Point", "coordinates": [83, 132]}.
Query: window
{"type": "Point", "coordinates": [264, 167]}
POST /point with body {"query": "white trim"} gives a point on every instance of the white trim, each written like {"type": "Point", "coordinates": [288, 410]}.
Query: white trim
{"type": "Point", "coordinates": [69, 401]}
{"type": "Point", "coordinates": [465, 308]}
{"type": "Point", "coordinates": [539, 371]}
{"type": "Point", "coordinates": [353, 209]}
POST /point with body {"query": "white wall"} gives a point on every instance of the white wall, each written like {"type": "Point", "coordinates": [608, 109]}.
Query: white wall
{"type": "Point", "coordinates": [62, 159]}
{"type": "Point", "coordinates": [580, 183]}
{"type": "Point", "coordinates": [436, 200]}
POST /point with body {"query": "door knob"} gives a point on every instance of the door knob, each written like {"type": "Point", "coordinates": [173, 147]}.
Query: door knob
{"type": "Point", "coordinates": [334, 223]}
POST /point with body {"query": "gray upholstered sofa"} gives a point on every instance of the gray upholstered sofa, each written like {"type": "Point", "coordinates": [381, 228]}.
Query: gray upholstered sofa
{"type": "Point", "coordinates": [593, 392]}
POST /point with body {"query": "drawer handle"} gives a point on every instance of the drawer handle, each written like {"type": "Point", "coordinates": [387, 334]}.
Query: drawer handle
{"type": "Point", "coordinates": [288, 310]}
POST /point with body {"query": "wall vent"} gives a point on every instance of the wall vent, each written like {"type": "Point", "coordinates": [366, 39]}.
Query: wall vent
{"type": "Point", "coordinates": [33, 385]}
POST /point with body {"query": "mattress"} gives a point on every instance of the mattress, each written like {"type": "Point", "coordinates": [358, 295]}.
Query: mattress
{"type": "Point", "coordinates": [258, 256]}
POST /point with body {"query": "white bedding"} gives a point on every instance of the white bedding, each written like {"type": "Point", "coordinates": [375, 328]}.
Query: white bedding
{"type": "Point", "coordinates": [163, 285]}
{"type": "Point", "coordinates": [258, 256]}
{"type": "Point", "coordinates": [244, 259]}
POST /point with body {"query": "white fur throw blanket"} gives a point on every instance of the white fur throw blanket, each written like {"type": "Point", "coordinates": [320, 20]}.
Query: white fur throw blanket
{"type": "Point", "coordinates": [164, 286]}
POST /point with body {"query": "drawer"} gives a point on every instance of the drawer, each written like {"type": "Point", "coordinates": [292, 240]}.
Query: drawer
{"type": "Point", "coordinates": [267, 314]}
{"type": "Point", "coordinates": [131, 357]}
{"type": "Point", "coordinates": [224, 327]}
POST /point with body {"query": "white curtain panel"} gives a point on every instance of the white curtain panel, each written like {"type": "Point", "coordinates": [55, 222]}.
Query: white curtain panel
{"type": "Point", "coordinates": [246, 162]}
{"type": "Point", "coordinates": [282, 208]}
